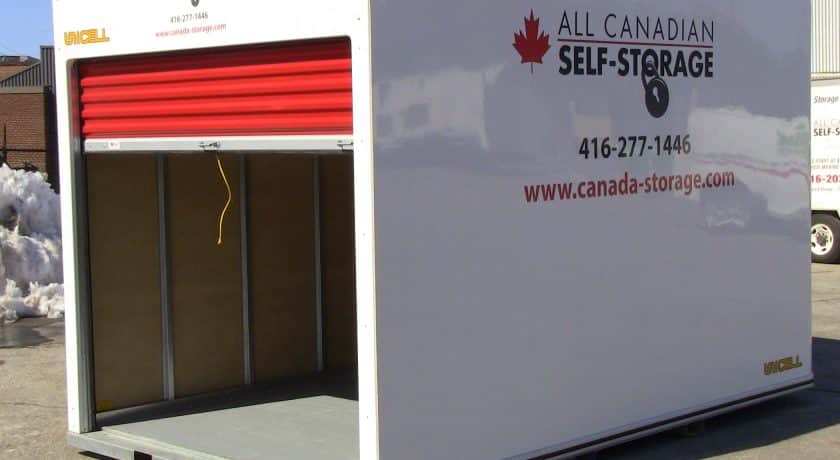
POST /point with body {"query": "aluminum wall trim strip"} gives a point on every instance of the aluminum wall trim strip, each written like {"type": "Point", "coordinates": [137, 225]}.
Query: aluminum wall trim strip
{"type": "Point", "coordinates": [319, 275]}
{"type": "Point", "coordinates": [247, 335]}
{"type": "Point", "coordinates": [165, 294]}
{"type": "Point", "coordinates": [83, 318]}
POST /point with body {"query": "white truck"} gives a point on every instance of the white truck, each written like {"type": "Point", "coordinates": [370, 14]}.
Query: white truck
{"type": "Point", "coordinates": [825, 171]}
{"type": "Point", "coordinates": [410, 230]}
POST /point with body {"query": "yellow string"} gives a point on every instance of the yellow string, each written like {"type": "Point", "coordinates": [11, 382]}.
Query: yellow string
{"type": "Point", "coordinates": [229, 199]}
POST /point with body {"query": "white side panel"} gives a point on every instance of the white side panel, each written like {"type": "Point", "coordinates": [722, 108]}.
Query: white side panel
{"type": "Point", "coordinates": [366, 312]}
{"type": "Point", "coordinates": [511, 320]}
{"type": "Point", "coordinates": [77, 342]}
{"type": "Point", "coordinates": [825, 145]}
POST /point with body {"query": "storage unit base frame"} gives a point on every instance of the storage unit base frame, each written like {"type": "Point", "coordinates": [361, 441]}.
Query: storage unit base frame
{"type": "Point", "coordinates": [252, 431]}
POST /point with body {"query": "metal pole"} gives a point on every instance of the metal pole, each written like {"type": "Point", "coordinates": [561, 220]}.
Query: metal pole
{"type": "Point", "coordinates": [5, 151]}
{"type": "Point", "coordinates": [247, 336]}
{"type": "Point", "coordinates": [319, 288]}
{"type": "Point", "coordinates": [165, 294]}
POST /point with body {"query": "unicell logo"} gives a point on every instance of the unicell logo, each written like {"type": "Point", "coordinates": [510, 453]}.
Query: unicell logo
{"type": "Point", "coordinates": [650, 48]}
{"type": "Point", "coordinates": [86, 37]}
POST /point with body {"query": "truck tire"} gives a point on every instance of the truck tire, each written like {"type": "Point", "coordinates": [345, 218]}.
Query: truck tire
{"type": "Point", "coordinates": [825, 239]}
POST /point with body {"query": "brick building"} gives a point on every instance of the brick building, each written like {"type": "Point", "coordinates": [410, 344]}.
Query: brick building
{"type": "Point", "coordinates": [27, 114]}
{"type": "Point", "coordinates": [10, 65]}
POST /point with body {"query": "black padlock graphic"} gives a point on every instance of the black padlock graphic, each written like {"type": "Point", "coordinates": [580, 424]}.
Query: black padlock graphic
{"type": "Point", "coordinates": [657, 95]}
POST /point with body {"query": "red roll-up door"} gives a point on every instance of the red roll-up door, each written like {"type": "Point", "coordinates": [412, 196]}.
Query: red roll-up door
{"type": "Point", "coordinates": [301, 88]}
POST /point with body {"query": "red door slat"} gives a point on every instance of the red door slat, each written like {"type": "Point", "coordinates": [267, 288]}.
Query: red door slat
{"type": "Point", "coordinates": [314, 84]}
{"type": "Point", "coordinates": [230, 105]}
{"type": "Point", "coordinates": [296, 123]}
{"type": "Point", "coordinates": [227, 71]}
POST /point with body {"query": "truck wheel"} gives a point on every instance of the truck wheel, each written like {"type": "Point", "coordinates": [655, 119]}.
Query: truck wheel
{"type": "Point", "coordinates": [825, 239]}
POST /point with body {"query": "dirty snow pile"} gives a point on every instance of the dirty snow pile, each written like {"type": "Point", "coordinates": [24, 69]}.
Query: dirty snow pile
{"type": "Point", "coordinates": [30, 247]}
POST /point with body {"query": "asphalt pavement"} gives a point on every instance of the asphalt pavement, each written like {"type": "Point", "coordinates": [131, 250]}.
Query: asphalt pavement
{"type": "Point", "coordinates": [805, 425]}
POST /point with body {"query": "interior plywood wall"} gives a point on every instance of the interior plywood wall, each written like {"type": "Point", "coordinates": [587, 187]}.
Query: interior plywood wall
{"type": "Point", "coordinates": [206, 285]}
{"type": "Point", "coordinates": [124, 279]}
{"type": "Point", "coordinates": [282, 259]}
{"type": "Point", "coordinates": [205, 279]}
{"type": "Point", "coordinates": [338, 255]}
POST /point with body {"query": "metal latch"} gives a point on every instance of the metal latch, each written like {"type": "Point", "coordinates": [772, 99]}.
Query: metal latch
{"type": "Point", "coordinates": [210, 146]}
{"type": "Point", "coordinates": [345, 145]}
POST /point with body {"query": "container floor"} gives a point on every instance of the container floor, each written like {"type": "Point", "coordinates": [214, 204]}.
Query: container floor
{"type": "Point", "coordinates": [312, 420]}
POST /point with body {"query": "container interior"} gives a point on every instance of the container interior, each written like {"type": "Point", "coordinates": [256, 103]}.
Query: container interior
{"type": "Point", "coordinates": [184, 322]}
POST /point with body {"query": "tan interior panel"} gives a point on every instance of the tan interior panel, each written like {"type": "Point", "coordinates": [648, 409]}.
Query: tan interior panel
{"type": "Point", "coordinates": [206, 286]}
{"type": "Point", "coordinates": [338, 256]}
{"type": "Point", "coordinates": [125, 279]}
{"type": "Point", "coordinates": [281, 226]}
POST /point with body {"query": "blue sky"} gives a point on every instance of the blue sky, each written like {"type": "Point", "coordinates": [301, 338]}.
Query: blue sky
{"type": "Point", "coordinates": [27, 24]}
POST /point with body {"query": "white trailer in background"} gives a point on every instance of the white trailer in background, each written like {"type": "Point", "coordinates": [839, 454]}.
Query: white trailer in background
{"type": "Point", "coordinates": [825, 131]}
{"type": "Point", "coordinates": [366, 229]}
{"type": "Point", "coordinates": [825, 171]}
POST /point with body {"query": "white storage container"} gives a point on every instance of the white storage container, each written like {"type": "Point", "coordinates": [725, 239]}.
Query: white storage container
{"type": "Point", "coordinates": [428, 230]}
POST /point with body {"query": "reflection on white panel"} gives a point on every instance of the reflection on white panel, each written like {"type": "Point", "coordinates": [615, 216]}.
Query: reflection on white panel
{"type": "Point", "coordinates": [768, 154]}
{"type": "Point", "coordinates": [442, 104]}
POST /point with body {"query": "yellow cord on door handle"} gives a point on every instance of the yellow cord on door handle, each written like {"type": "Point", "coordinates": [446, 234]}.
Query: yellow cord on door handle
{"type": "Point", "coordinates": [229, 199]}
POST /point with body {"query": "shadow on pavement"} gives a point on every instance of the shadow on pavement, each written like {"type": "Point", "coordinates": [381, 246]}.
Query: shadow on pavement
{"type": "Point", "coordinates": [827, 364]}
{"type": "Point", "coordinates": [765, 424]}
{"type": "Point", "coordinates": [31, 332]}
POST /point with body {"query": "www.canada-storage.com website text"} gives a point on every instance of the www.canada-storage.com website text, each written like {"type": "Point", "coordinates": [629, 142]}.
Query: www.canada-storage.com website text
{"type": "Point", "coordinates": [627, 186]}
{"type": "Point", "coordinates": [192, 30]}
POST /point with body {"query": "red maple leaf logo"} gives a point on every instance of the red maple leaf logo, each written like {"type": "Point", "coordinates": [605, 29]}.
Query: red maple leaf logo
{"type": "Point", "coordinates": [533, 44]}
